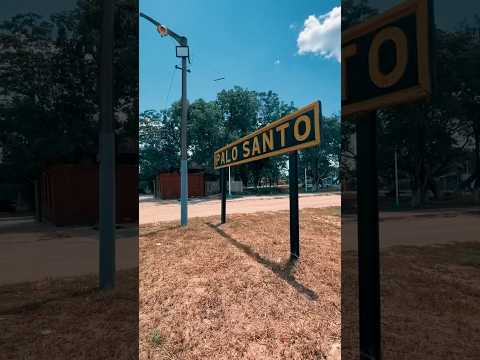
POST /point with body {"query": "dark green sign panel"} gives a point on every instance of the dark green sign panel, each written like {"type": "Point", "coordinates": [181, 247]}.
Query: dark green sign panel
{"type": "Point", "coordinates": [298, 130]}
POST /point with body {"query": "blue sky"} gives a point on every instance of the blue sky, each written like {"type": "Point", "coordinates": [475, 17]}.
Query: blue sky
{"type": "Point", "coordinates": [253, 44]}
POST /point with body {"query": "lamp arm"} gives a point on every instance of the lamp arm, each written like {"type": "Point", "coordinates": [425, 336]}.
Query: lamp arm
{"type": "Point", "coordinates": [182, 40]}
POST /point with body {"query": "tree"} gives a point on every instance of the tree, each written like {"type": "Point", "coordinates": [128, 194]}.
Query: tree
{"type": "Point", "coordinates": [49, 103]}
{"type": "Point", "coordinates": [355, 11]}
{"type": "Point", "coordinates": [205, 131]}
{"type": "Point", "coordinates": [467, 61]}
{"type": "Point", "coordinates": [323, 161]}
{"type": "Point", "coordinates": [430, 138]}
{"type": "Point", "coordinates": [235, 113]}
{"type": "Point", "coordinates": [158, 142]}
{"type": "Point", "coordinates": [270, 108]}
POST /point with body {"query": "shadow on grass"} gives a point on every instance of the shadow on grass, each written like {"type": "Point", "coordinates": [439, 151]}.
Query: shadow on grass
{"type": "Point", "coordinates": [158, 230]}
{"type": "Point", "coordinates": [283, 270]}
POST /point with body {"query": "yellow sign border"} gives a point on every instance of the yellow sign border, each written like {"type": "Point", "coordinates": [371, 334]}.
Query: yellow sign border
{"type": "Point", "coordinates": [315, 106]}
{"type": "Point", "coordinates": [423, 89]}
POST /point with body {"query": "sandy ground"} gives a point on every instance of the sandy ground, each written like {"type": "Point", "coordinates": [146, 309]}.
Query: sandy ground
{"type": "Point", "coordinates": [31, 251]}
{"type": "Point", "coordinates": [152, 210]}
{"type": "Point", "coordinates": [70, 318]}
{"type": "Point", "coordinates": [230, 292]}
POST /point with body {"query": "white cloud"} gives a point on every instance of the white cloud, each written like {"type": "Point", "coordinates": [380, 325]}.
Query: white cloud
{"type": "Point", "coordinates": [276, 62]}
{"type": "Point", "coordinates": [321, 35]}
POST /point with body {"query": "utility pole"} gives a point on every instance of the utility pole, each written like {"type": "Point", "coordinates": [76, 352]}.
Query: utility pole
{"type": "Point", "coordinates": [184, 166]}
{"type": "Point", "coordinates": [305, 179]}
{"type": "Point", "coordinates": [396, 180]}
{"type": "Point", "coordinates": [229, 183]}
{"type": "Point", "coordinates": [182, 52]}
{"type": "Point", "coordinates": [107, 208]}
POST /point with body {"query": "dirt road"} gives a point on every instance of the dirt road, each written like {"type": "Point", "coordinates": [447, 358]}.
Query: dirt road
{"type": "Point", "coordinates": [153, 211]}
{"type": "Point", "coordinates": [413, 228]}
{"type": "Point", "coordinates": [30, 251]}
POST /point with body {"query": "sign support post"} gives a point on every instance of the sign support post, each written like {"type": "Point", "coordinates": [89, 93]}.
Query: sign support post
{"type": "Point", "coordinates": [366, 87]}
{"type": "Point", "coordinates": [223, 188]}
{"type": "Point", "coordinates": [293, 190]}
{"type": "Point", "coordinates": [296, 131]}
{"type": "Point", "coordinates": [368, 244]}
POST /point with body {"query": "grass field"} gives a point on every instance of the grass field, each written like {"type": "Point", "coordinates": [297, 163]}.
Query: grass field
{"type": "Point", "coordinates": [70, 319]}
{"type": "Point", "coordinates": [430, 302]}
{"type": "Point", "coordinates": [230, 292]}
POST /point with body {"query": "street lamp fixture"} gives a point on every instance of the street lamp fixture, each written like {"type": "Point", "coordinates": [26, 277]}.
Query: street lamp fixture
{"type": "Point", "coordinates": [162, 30]}
{"type": "Point", "coordinates": [183, 51]}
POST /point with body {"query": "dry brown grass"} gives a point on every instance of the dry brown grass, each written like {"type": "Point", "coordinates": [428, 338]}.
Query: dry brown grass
{"type": "Point", "coordinates": [70, 319]}
{"type": "Point", "coordinates": [430, 302]}
{"type": "Point", "coordinates": [229, 291]}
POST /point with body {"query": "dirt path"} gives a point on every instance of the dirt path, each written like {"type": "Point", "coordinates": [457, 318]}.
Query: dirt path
{"type": "Point", "coordinates": [153, 211]}
{"type": "Point", "coordinates": [46, 251]}
{"type": "Point", "coordinates": [413, 228]}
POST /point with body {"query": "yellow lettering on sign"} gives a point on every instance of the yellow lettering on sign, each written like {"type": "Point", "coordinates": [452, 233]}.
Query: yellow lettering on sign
{"type": "Point", "coordinates": [222, 159]}
{"type": "Point", "coordinates": [246, 149]}
{"type": "Point", "coordinates": [296, 128]}
{"type": "Point", "coordinates": [399, 38]}
{"type": "Point", "coordinates": [267, 140]}
{"type": "Point", "coordinates": [217, 158]}
{"type": "Point", "coordinates": [234, 153]}
{"type": "Point", "coordinates": [256, 146]}
{"type": "Point", "coordinates": [281, 130]}
{"type": "Point", "coordinates": [226, 156]}
{"type": "Point", "coordinates": [347, 51]}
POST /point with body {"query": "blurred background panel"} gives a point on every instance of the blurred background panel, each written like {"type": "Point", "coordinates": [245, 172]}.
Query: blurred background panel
{"type": "Point", "coordinates": [428, 186]}
{"type": "Point", "coordinates": [50, 65]}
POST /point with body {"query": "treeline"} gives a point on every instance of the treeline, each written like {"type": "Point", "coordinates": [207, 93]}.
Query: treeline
{"type": "Point", "coordinates": [234, 113]}
{"type": "Point", "coordinates": [49, 103]}
{"type": "Point", "coordinates": [438, 138]}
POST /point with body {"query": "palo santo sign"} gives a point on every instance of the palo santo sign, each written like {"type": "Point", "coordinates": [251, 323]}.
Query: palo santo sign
{"type": "Point", "coordinates": [386, 60]}
{"type": "Point", "coordinates": [298, 130]}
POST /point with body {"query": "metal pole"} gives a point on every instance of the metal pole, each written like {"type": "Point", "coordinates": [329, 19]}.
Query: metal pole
{"type": "Point", "coordinates": [223, 187]}
{"type": "Point", "coordinates": [368, 245]}
{"type": "Point", "coordinates": [183, 164]}
{"type": "Point", "coordinates": [229, 183]}
{"type": "Point", "coordinates": [182, 41]}
{"type": "Point", "coordinates": [396, 179]}
{"type": "Point", "coordinates": [107, 155]}
{"type": "Point", "coordinates": [293, 189]}
{"type": "Point", "coordinates": [38, 206]}
{"type": "Point", "coordinates": [305, 179]}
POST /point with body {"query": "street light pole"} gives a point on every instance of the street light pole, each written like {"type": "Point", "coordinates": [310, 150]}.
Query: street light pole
{"type": "Point", "coordinates": [183, 42]}
{"type": "Point", "coordinates": [183, 160]}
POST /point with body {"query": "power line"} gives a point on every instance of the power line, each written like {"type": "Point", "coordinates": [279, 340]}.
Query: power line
{"type": "Point", "coordinates": [169, 88]}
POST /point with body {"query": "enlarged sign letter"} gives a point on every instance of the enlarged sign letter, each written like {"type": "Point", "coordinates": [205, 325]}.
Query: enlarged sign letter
{"type": "Point", "coordinates": [386, 60]}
